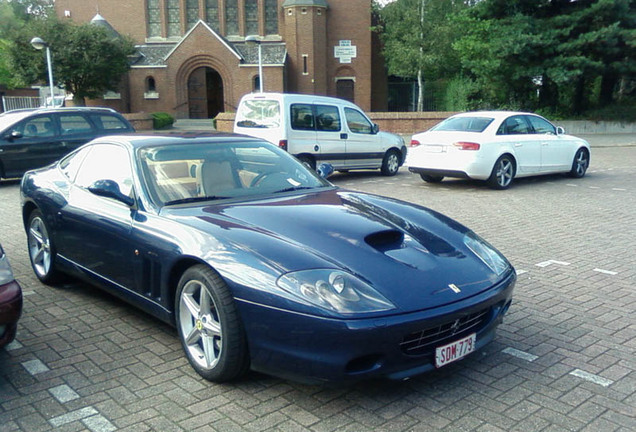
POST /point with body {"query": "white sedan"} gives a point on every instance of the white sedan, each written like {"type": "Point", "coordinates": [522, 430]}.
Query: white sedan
{"type": "Point", "coordinates": [496, 146]}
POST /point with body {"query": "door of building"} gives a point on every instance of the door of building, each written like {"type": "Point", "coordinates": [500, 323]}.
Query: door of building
{"type": "Point", "coordinates": [345, 89]}
{"type": "Point", "coordinates": [205, 93]}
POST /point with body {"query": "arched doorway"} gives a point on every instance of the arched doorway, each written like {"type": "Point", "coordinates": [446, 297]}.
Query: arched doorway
{"type": "Point", "coordinates": [205, 93]}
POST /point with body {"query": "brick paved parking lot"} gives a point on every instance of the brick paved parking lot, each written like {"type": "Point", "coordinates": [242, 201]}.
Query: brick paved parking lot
{"type": "Point", "coordinates": [563, 360]}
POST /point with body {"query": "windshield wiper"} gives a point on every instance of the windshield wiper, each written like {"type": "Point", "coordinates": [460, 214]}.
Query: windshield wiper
{"type": "Point", "coordinates": [294, 188]}
{"type": "Point", "coordinates": [194, 199]}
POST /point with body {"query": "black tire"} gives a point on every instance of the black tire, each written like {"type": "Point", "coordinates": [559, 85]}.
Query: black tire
{"type": "Point", "coordinates": [41, 250]}
{"type": "Point", "coordinates": [390, 163]}
{"type": "Point", "coordinates": [308, 161]}
{"type": "Point", "coordinates": [580, 163]}
{"type": "Point", "coordinates": [431, 178]}
{"type": "Point", "coordinates": [502, 173]}
{"type": "Point", "coordinates": [213, 339]}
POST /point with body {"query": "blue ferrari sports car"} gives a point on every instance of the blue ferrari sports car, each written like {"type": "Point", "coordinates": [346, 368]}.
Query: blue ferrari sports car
{"type": "Point", "coordinates": [261, 263]}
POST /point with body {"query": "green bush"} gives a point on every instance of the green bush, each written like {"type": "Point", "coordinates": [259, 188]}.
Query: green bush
{"type": "Point", "coordinates": [162, 120]}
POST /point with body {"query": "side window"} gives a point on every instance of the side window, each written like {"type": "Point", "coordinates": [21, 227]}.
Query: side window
{"type": "Point", "coordinates": [515, 125]}
{"type": "Point", "coordinates": [106, 162]}
{"type": "Point", "coordinates": [327, 118]}
{"type": "Point", "coordinates": [74, 124]}
{"type": "Point", "coordinates": [541, 126]}
{"type": "Point", "coordinates": [71, 164]}
{"type": "Point", "coordinates": [109, 122]}
{"type": "Point", "coordinates": [357, 122]}
{"type": "Point", "coordinates": [41, 126]}
{"type": "Point", "coordinates": [302, 117]}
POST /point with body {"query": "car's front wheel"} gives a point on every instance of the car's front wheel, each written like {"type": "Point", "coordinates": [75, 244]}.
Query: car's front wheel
{"type": "Point", "coordinates": [502, 173]}
{"type": "Point", "coordinates": [41, 249]}
{"type": "Point", "coordinates": [391, 163]}
{"type": "Point", "coordinates": [209, 325]}
{"type": "Point", "coordinates": [431, 178]}
{"type": "Point", "coordinates": [580, 163]}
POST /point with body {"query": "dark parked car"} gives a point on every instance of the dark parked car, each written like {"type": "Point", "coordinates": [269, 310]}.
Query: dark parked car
{"type": "Point", "coordinates": [10, 301]}
{"type": "Point", "coordinates": [33, 138]}
{"type": "Point", "coordinates": [261, 263]}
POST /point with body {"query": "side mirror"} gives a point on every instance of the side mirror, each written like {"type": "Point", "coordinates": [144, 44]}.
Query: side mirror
{"type": "Point", "coordinates": [110, 189]}
{"type": "Point", "coordinates": [14, 134]}
{"type": "Point", "coordinates": [324, 170]}
{"type": "Point", "coordinates": [375, 129]}
{"type": "Point", "coordinates": [560, 130]}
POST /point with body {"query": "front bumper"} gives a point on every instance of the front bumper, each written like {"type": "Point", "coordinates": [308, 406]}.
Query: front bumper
{"type": "Point", "coordinates": [313, 349]}
{"type": "Point", "coordinates": [10, 311]}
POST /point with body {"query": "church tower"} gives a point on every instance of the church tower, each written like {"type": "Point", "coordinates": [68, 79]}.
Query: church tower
{"type": "Point", "coordinates": [305, 23]}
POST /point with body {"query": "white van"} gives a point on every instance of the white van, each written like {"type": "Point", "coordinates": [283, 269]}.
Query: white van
{"type": "Point", "coordinates": [319, 129]}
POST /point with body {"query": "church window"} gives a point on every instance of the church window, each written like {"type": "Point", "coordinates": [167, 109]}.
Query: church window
{"type": "Point", "coordinates": [192, 12]}
{"type": "Point", "coordinates": [212, 13]}
{"type": "Point", "coordinates": [174, 18]}
{"type": "Point", "coordinates": [231, 17]}
{"type": "Point", "coordinates": [251, 17]}
{"type": "Point", "coordinates": [271, 17]}
{"type": "Point", "coordinates": [154, 18]}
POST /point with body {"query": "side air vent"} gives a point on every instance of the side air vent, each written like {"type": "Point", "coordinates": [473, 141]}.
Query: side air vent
{"type": "Point", "coordinates": [385, 240]}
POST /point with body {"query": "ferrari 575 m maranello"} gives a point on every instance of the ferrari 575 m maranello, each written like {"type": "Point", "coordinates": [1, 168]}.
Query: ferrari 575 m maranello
{"type": "Point", "coordinates": [261, 263]}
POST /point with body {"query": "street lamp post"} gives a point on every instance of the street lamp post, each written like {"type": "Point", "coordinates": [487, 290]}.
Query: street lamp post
{"type": "Point", "coordinates": [38, 44]}
{"type": "Point", "coordinates": [254, 40]}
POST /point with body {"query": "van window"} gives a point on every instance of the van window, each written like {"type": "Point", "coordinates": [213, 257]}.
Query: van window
{"type": "Point", "coordinates": [327, 118]}
{"type": "Point", "coordinates": [258, 114]}
{"type": "Point", "coordinates": [357, 122]}
{"type": "Point", "coordinates": [302, 117]}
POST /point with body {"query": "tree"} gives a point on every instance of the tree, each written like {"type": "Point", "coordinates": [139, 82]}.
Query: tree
{"type": "Point", "coordinates": [87, 61]}
{"type": "Point", "coordinates": [417, 37]}
{"type": "Point", "coordinates": [569, 52]}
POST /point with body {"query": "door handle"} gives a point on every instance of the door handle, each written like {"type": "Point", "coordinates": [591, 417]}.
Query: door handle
{"type": "Point", "coordinates": [518, 145]}
{"type": "Point", "coordinates": [545, 143]}
{"type": "Point", "coordinates": [344, 136]}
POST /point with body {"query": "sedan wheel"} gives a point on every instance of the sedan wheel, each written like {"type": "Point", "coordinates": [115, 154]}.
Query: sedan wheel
{"type": "Point", "coordinates": [391, 163]}
{"type": "Point", "coordinates": [209, 326]}
{"type": "Point", "coordinates": [41, 249]}
{"type": "Point", "coordinates": [580, 163]}
{"type": "Point", "coordinates": [502, 173]}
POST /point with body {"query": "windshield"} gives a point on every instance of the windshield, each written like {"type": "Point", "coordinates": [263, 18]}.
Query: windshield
{"type": "Point", "coordinates": [258, 114]}
{"type": "Point", "coordinates": [8, 119]}
{"type": "Point", "coordinates": [463, 124]}
{"type": "Point", "coordinates": [178, 173]}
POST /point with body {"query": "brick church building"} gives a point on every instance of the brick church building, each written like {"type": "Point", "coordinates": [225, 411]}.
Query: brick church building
{"type": "Point", "coordinates": [193, 60]}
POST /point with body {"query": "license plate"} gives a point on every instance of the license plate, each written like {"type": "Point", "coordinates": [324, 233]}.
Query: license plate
{"type": "Point", "coordinates": [454, 351]}
{"type": "Point", "coordinates": [434, 148]}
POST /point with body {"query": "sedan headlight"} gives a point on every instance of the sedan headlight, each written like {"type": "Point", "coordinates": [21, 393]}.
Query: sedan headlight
{"type": "Point", "coordinates": [488, 254]}
{"type": "Point", "coordinates": [6, 275]}
{"type": "Point", "coordinates": [334, 290]}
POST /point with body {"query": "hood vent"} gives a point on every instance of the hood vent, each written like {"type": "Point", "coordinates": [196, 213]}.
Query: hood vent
{"type": "Point", "coordinates": [385, 240]}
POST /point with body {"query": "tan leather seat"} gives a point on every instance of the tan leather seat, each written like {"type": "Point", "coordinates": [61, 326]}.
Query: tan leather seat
{"type": "Point", "coordinates": [216, 178]}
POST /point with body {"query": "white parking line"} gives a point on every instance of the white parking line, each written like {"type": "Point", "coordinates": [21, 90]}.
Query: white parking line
{"type": "Point", "coordinates": [549, 262]}
{"type": "Point", "coordinates": [592, 378]}
{"type": "Point", "coordinates": [99, 423]}
{"type": "Point", "coordinates": [73, 416]}
{"type": "Point", "coordinates": [63, 393]}
{"type": "Point", "coordinates": [619, 189]}
{"type": "Point", "coordinates": [35, 367]}
{"type": "Point", "coordinates": [607, 272]}
{"type": "Point", "coordinates": [520, 354]}
{"type": "Point", "coordinates": [520, 272]}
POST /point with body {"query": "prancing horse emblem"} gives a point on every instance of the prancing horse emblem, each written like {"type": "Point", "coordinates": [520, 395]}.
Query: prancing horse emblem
{"type": "Point", "coordinates": [455, 288]}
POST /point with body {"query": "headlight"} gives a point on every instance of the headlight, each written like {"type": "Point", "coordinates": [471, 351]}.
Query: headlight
{"type": "Point", "coordinates": [334, 290]}
{"type": "Point", "coordinates": [6, 275]}
{"type": "Point", "coordinates": [488, 254]}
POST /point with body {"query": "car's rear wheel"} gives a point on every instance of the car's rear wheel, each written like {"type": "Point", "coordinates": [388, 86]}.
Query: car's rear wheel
{"type": "Point", "coordinates": [391, 163]}
{"type": "Point", "coordinates": [580, 163]}
{"type": "Point", "coordinates": [209, 325]}
{"type": "Point", "coordinates": [431, 178]}
{"type": "Point", "coordinates": [41, 249]}
{"type": "Point", "coordinates": [308, 161]}
{"type": "Point", "coordinates": [502, 173]}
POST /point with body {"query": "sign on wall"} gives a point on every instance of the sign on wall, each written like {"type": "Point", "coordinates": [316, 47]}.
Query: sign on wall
{"type": "Point", "coordinates": [344, 51]}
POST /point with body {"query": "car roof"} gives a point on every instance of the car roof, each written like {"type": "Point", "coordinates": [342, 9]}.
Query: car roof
{"type": "Point", "coordinates": [299, 98]}
{"type": "Point", "coordinates": [59, 109]}
{"type": "Point", "coordinates": [493, 114]}
{"type": "Point", "coordinates": [141, 139]}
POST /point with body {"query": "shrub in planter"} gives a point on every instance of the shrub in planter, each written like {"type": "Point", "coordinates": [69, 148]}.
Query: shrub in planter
{"type": "Point", "coordinates": [162, 120]}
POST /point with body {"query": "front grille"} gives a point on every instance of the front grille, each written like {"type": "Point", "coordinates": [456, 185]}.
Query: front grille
{"type": "Point", "coordinates": [424, 341]}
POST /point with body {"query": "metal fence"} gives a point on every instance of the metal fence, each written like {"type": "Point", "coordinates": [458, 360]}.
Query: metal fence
{"type": "Point", "coordinates": [10, 103]}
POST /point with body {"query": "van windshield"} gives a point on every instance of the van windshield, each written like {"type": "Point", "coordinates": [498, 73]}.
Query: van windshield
{"type": "Point", "coordinates": [258, 114]}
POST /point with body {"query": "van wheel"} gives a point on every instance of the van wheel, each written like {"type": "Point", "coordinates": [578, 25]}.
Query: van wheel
{"type": "Point", "coordinates": [391, 163]}
{"type": "Point", "coordinates": [308, 161]}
